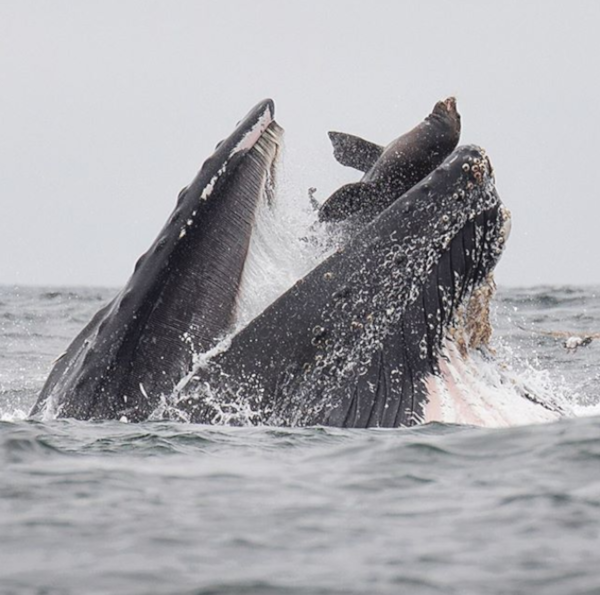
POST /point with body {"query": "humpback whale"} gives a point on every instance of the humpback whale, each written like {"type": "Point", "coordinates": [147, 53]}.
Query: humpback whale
{"type": "Point", "coordinates": [390, 171]}
{"type": "Point", "coordinates": [353, 343]}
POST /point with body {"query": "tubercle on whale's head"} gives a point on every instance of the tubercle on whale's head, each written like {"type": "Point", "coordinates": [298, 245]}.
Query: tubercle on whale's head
{"type": "Point", "coordinates": [478, 167]}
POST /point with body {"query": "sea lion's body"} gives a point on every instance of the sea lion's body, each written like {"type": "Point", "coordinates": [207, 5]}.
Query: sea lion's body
{"type": "Point", "coordinates": [391, 171]}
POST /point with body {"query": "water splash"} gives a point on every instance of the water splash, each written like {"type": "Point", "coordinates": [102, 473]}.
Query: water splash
{"type": "Point", "coordinates": [286, 244]}
{"type": "Point", "coordinates": [493, 390]}
{"type": "Point", "coordinates": [13, 415]}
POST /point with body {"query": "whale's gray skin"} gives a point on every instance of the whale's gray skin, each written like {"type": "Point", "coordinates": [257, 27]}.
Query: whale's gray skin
{"type": "Point", "coordinates": [181, 297]}
{"type": "Point", "coordinates": [353, 342]}
{"type": "Point", "coordinates": [393, 170]}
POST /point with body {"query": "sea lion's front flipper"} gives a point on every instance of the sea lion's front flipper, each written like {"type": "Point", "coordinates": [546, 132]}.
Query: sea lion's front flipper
{"type": "Point", "coordinates": [346, 201]}
{"type": "Point", "coordinates": [353, 151]}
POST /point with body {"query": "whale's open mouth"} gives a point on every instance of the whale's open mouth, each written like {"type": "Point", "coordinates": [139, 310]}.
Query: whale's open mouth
{"type": "Point", "coordinates": [353, 343]}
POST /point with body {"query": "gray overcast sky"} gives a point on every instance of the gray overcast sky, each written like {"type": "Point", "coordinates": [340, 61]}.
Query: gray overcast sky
{"type": "Point", "coordinates": [108, 108]}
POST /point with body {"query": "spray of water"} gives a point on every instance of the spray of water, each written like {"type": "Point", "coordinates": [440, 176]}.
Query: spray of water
{"type": "Point", "coordinates": [286, 244]}
{"type": "Point", "coordinates": [493, 389]}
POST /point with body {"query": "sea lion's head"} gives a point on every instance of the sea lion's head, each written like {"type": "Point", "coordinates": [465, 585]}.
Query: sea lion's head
{"type": "Point", "coordinates": [447, 107]}
{"type": "Point", "coordinates": [445, 111]}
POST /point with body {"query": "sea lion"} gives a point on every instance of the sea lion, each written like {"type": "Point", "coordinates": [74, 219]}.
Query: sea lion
{"type": "Point", "coordinates": [393, 170]}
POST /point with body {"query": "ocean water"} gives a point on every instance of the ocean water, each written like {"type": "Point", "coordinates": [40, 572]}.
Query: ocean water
{"type": "Point", "coordinates": [168, 508]}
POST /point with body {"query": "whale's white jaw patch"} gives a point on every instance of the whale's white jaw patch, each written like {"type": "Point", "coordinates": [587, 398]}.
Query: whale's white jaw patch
{"type": "Point", "coordinates": [247, 142]}
{"type": "Point", "coordinates": [251, 137]}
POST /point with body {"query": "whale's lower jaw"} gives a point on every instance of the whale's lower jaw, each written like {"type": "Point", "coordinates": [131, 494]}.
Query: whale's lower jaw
{"type": "Point", "coordinates": [182, 296]}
